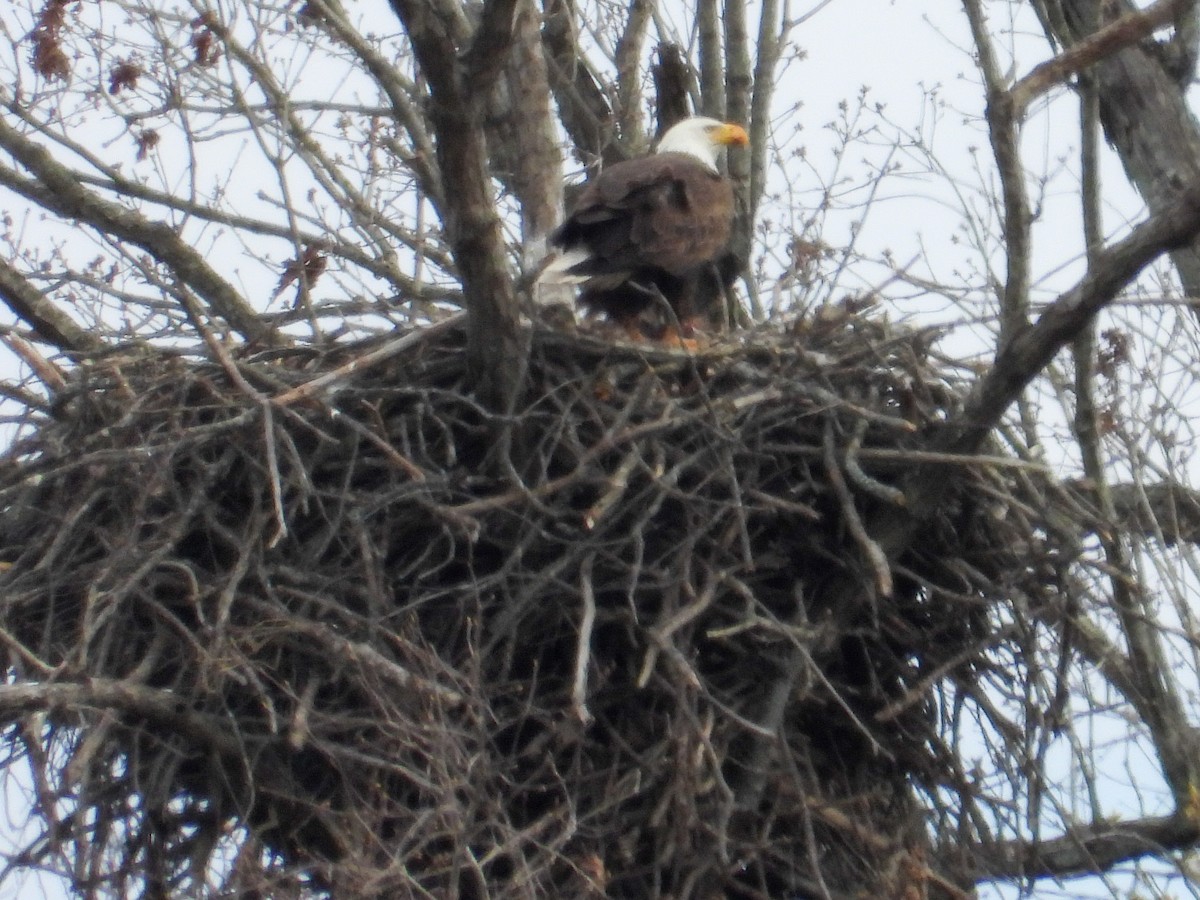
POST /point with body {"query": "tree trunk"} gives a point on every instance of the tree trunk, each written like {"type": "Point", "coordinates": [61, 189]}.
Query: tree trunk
{"type": "Point", "coordinates": [1145, 115]}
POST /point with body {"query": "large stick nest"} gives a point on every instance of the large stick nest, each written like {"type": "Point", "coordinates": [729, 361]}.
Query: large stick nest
{"type": "Point", "coordinates": [631, 640]}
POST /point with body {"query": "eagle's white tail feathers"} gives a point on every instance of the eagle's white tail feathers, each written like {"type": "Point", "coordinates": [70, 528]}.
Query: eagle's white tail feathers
{"type": "Point", "coordinates": [557, 272]}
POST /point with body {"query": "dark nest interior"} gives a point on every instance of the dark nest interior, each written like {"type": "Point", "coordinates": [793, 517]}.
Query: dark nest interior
{"type": "Point", "coordinates": [284, 636]}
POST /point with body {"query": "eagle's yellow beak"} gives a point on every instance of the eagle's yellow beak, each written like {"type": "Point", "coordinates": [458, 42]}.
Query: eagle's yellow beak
{"type": "Point", "coordinates": [730, 134]}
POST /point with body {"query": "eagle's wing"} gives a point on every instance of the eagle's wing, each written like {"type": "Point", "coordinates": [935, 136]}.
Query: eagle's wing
{"type": "Point", "coordinates": [665, 212]}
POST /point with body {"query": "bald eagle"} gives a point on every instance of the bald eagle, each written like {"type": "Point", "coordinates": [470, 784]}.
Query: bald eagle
{"type": "Point", "coordinates": [659, 225]}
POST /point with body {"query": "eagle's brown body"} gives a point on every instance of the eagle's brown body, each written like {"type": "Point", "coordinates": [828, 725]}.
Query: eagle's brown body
{"type": "Point", "coordinates": [646, 227]}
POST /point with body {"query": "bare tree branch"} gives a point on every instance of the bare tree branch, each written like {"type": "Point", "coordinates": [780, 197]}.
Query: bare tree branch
{"type": "Point", "coordinates": [739, 78]}
{"type": "Point", "coordinates": [1163, 712]}
{"type": "Point", "coordinates": [50, 323]}
{"type": "Point", "coordinates": [671, 78]}
{"type": "Point", "coordinates": [1026, 354]}
{"type": "Point", "coordinates": [1145, 115]}
{"type": "Point", "coordinates": [1164, 511]}
{"type": "Point", "coordinates": [1085, 849]}
{"type": "Point", "coordinates": [583, 108]}
{"type": "Point", "coordinates": [522, 139]}
{"type": "Point", "coordinates": [1003, 129]}
{"type": "Point", "coordinates": [628, 60]}
{"type": "Point", "coordinates": [163, 708]}
{"type": "Point", "coordinates": [772, 32]}
{"type": "Point", "coordinates": [1030, 350]}
{"type": "Point", "coordinates": [492, 42]}
{"type": "Point", "coordinates": [67, 197]}
{"type": "Point", "coordinates": [739, 85]}
{"type": "Point", "coordinates": [325, 169]}
{"type": "Point", "coordinates": [1132, 27]}
{"type": "Point", "coordinates": [712, 60]}
{"type": "Point", "coordinates": [403, 104]}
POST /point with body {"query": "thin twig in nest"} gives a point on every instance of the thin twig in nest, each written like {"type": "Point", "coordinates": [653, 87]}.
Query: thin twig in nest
{"type": "Point", "coordinates": [861, 479]}
{"type": "Point", "coordinates": [360, 364]}
{"type": "Point", "coordinates": [873, 552]}
{"type": "Point", "coordinates": [584, 643]}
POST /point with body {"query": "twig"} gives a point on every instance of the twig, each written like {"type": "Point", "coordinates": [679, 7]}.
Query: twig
{"type": "Point", "coordinates": [1030, 351]}
{"type": "Point", "coordinates": [617, 483]}
{"type": "Point", "coordinates": [583, 644]}
{"type": "Point", "coordinates": [874, 553]}
{"type": "Point", "coordinates": [198, 316]}
{"type": "Point", "coordinates": [161, 707]}
{"type": "Point", "coordinates": [363, 654]}
{"type": "Point", "coordinates": [362, 363]}
{"type": "Point", "coordinates": [415, 472]}
{"type": "Point", "coordinates": [1004, 134]}
{"type": "Point", "coordinates": [66, 196]}
{"type": "Point", "coordinates": [791, 507]}
{"type": "Point", "coordinates": [833, 401]}
{"type": "Point", "coordinates": [662, 632]}
{"type": "Point", "coordinates": [268, 422]}
{"type": "Point", "coordinates": [48, 322]}
{"type": "Point", "coordinates": [47, 372]}
{"type": "Point", "coordinates": [861, 479]}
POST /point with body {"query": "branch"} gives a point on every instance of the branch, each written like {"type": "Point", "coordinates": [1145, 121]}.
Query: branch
{"type": "Point", "coordinates": [406, 112]}
{"type": "Point", "coordinates": [112, 180]}
{"type": "Point", "coordinates": [772, 31]}
{"type": "Point", "coordinates": [47, 373]}
{"type": "Point", "coordinates": [739, 82]}
{"type": "Point", "coordinates": [326, 169]}
{"type": "Point", "coordinates": [1083, 850]}
{"type": "Point", "coordinates": [1112, 38]}
{"type": "Point", "coordinates": [1145, 115]}
{"type": "Point", "coordinates": [381, 267]}
{"type": "Point", "coordinates": [68, 198]}
{"type": "Point", "coordinates": [328, 381]}
{"type": "Point", "coordinates": [712, 59]}
{"type": "Point", "coordinates": [49, 322]}
{"type": "Point", "coordinates": [168, 711]}
{"type": "Point", "coordinates": [738, 78]}
{"type": "Point", "coordinates": [493, 40]}
{"type": "Point", "coordinates": [1031, 350]}
{"type": "Point", "coordinates": [1162, 709]}
{"type": "Point", "coordinates": [582, 104]}
{"type": "Point", "coordinates": [1004, 136]}
{"type": "Point", "coordinates": [522, 137]}
{"type": "Point", "coordinates": [670, 76]}
{"type": "Point", "coordinates": [628, 58]}
{"type": "Point", "coordinates": [1166, 511]}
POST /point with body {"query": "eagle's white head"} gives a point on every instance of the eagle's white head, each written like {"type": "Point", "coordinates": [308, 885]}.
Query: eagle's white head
{"type": "Point", "coordinates": [702, 138]}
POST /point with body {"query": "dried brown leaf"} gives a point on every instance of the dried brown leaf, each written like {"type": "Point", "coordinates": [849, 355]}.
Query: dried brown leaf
{"type": "Point", "coordinates": [124, 75]}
